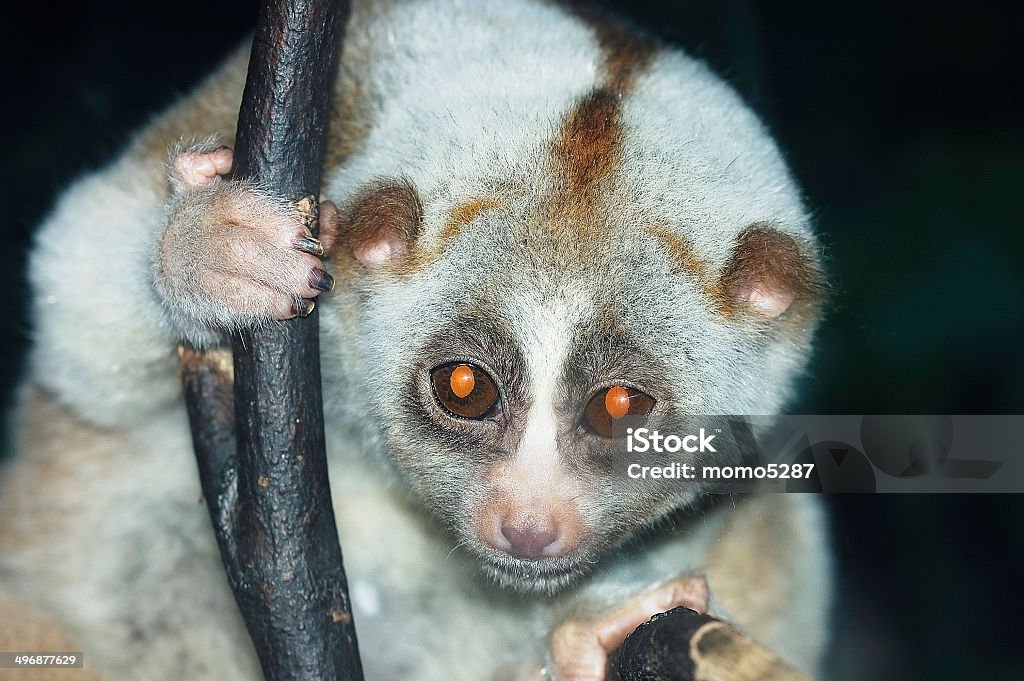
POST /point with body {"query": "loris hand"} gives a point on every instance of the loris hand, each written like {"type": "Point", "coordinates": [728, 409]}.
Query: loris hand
{"type": "Point", "coordinates": [684, 645]}
{"type": "Point", "coordinates": [707, 648]}
{"type": "Point", "coordinates": [580, 647]}
{"type": "Point", "coordinates": [231, 256]}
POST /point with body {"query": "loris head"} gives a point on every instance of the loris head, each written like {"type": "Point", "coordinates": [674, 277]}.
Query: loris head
{"type": "Point", "coordinates": [646, 254]}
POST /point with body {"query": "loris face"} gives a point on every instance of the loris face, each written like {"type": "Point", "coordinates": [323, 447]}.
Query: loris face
{"type": "Point", "coordinates": [506, 345]}
{"type": "Point", "coordinates": [619, 221]}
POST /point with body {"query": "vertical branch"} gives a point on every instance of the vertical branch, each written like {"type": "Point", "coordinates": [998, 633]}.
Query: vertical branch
{"type": "Point", "coordinates": [270, 501]}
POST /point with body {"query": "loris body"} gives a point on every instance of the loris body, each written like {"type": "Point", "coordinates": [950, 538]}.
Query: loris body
{"type": "Point", "coordinates": [545, 198]}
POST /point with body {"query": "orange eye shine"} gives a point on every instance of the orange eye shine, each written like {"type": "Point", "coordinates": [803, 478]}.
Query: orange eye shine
{"type": "Point", "coordinates": [612, 404]}
{"type": "Point", "coordinates": [616, 402]}
{"type": "Point", "coordinates": [462, 381]}
{"type": "Point", "coordinates": [464, 390]}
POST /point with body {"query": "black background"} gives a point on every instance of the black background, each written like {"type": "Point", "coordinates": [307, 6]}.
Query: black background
{"type": "Point", "coordinates": [903, 123]}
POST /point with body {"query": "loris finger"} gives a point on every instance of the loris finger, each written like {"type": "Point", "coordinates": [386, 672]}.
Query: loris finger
{"type": "Point", "coordinates": [200, 167]}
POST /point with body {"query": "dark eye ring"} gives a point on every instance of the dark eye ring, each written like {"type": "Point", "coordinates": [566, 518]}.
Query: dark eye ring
{"type": "Point", "coordinates": [464, 390]}
{"type": "Point", "coordinates": [613, 403]}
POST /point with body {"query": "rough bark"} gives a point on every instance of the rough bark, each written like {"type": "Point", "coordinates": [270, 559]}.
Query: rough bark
{"type": "Point", "coordinates": [260, 443]}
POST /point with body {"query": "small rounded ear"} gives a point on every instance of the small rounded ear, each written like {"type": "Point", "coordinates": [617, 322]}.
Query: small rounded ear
{"type": "Point", "coordinates": [381, 224]}
{"type": "Point", "coordinates": [768, 272]}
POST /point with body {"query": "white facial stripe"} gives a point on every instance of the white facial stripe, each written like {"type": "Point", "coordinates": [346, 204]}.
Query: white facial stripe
{"type": "Point", "coordinates": [538, 453]}
{"type": "Point", "coordinates": [545, 331]}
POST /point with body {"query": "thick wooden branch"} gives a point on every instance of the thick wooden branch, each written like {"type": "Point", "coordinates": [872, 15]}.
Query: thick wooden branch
{"type": "Point", "coordinates": [269, 500]}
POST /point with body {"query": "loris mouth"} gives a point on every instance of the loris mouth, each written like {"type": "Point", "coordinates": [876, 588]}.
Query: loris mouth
{"type": "Point", "coordinates": [547, 576]}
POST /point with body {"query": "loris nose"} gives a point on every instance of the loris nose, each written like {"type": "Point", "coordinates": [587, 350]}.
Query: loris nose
{"type": "Point", "coordinates": [534, 538]}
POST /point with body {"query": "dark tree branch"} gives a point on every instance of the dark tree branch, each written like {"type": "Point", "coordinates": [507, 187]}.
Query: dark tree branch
{"type": "Point", "coordinates": [269, 500]}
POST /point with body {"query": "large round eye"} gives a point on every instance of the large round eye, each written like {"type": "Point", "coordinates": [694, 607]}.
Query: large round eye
{"type": "Point", "coordinates": [464, 390]}
{"type": "Point", "coordinates": [612, 404]}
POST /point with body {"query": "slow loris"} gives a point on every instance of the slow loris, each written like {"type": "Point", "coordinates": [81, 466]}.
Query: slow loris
{"type": "Point", "coordinates": [540, 218]}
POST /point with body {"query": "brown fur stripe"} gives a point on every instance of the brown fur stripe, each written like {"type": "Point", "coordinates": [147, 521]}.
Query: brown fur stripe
{"type": "Point", "coordinates": [464, 214]}
{"type": "Point", "coordinates": [685, 257]}
{"type": "Point", "coordinates": [461, 216]}
{"type": "Point", "coordinates": [588, 150]}
{"type": "Point", "coordinates": [587, 154]}
{"type": "Point", "coordinates": [625, 52]}
{"type": "Point", "coordinates": [394, 206]}
{"type": "Point", "coordinates": [761, 254]}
